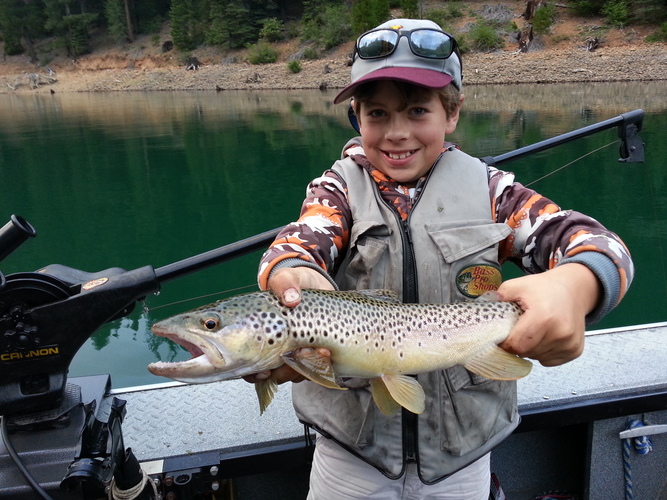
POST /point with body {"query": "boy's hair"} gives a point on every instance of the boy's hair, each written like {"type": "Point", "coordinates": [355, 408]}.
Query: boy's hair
{"type": "Point", "coordinates": [450, 97]}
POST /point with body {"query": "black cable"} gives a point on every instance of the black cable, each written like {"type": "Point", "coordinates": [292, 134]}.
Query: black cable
{"type": "Point", "coordinates": [19, 463]}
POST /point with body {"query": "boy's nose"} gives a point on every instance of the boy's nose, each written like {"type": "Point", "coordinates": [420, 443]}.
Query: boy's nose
{"type": "Point", "coordinates": [398, 129]}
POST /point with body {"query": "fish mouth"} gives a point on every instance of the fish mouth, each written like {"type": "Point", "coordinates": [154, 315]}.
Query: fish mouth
{"type": "Point", "coordinates": [194, 350]}
{"type": "Point", "coordinates": [201, 365]}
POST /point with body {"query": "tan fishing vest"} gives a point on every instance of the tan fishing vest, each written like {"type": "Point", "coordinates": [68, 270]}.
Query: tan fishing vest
{"type": "Point", "coordinates": [455, 243]}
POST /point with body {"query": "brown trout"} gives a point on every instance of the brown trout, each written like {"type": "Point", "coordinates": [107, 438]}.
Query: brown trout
{"type": "Point", "coordinates": [368, 334]}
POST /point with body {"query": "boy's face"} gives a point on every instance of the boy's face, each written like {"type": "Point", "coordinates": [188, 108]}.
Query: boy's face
{"type": "Point", "coordinates": [403, 142]}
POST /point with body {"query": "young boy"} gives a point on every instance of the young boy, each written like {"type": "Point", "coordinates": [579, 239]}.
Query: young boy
{"type": "Point", "coordinates": [402, 211]}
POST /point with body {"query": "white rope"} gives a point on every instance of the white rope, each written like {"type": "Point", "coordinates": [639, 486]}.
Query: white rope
{"type": "Point", "coordinates": [117, 494]}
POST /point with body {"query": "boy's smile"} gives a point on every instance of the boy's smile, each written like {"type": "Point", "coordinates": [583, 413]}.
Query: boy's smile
{"type": "Point", "coordinates": [403, 141]}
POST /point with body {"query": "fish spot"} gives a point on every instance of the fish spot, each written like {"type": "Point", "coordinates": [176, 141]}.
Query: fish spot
{"type": "Point", "coordinates": [270, 341]}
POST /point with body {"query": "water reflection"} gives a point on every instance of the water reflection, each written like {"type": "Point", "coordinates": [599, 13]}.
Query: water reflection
{"type": "Point", "coordinates": [131, 179]}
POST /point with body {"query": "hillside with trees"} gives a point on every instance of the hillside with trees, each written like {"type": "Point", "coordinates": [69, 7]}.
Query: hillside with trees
{"type": "Point", "coordinates": [110, 45]}
{"type": "Point", "coordinates": [45, 29]}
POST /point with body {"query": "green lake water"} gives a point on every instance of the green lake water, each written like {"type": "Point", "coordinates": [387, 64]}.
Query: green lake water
{"type": "Point", "coordinates": [134, 179]}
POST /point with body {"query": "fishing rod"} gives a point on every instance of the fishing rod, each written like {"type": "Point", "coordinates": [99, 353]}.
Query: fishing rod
{"type": "Point", "coordinates": [631, 147]}
{"type": "Point", "coordinates": [47, 315]}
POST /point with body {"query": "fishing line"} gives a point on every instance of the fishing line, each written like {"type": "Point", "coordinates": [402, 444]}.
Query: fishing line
{"type": "Point", "coordinates": [568, 164]}
{"type": "Point", "coordinates": [146, 308]}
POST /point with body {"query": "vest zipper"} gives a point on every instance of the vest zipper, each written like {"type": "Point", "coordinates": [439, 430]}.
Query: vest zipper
{"type": "Point", "coordinates": [410, 295]}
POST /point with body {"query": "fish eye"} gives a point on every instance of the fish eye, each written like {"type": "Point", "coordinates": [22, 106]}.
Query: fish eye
{"type": "Point", "coordinates": [211, 322]}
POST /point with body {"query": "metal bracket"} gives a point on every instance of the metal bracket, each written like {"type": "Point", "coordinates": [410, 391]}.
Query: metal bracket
{"type": "Point", "coordinates": [648, 430]}
{"type": "Point", "coordinates": [632, 146]}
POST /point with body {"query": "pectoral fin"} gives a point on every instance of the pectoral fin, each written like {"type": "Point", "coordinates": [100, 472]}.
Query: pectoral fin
{"type": "Point", "coordinates": [497, 364]}
{"type": "Point", "coordinates": [405, 391]}
{"type": "Point", "coordinates": [313, 365]}
{"type": "Point", "coordinates": [265, 389]}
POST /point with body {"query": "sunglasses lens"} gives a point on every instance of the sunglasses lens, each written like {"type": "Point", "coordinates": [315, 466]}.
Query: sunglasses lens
{"type": "Point", "coordinates": [432, 44]}
{"type": "Point", "coordinates": [377, 44]}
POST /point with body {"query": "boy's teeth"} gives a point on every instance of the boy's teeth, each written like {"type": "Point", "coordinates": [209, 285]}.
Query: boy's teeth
{"type": "Point", "coordinates": [396, 156]}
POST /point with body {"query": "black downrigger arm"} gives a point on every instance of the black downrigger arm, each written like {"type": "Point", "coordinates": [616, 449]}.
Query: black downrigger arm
{"type": "Point", "coordinates": [46, 316]}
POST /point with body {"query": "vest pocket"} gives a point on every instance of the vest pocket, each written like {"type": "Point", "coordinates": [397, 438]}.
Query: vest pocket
{"type": "Point", "coordinates": [456, 242]}
{"type": "Point", "coordinates": [367, 247]}
{"type": "Point", "coordinates": [468, 257]}
{"type": "Point", "coordinates": [473, 409]}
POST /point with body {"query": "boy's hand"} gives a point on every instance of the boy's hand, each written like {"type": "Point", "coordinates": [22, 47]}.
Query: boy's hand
{"type": "Point", "coordinates": [287, 284]}
{"type": "Point", "coordinates": [555, 304]}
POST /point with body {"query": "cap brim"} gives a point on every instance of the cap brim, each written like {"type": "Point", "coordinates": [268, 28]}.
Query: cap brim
{"type": "Point", "coordinates": [418, 76]}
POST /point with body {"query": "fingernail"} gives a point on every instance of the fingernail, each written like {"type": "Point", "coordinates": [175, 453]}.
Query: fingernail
{"type": "Point", "coordinates": [291, 295]}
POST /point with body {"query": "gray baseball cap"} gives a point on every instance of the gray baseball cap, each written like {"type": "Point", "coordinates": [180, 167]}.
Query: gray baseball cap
{"type": "Point", "coordinates": [403, 65]}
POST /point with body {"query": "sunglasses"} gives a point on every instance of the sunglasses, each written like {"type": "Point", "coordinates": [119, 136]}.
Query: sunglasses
{"type": "Point", "coordinates": [424, 42]}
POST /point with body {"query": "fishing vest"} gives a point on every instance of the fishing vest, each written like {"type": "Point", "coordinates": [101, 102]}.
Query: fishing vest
{"type": "Point", "coordinates": [454, 241]}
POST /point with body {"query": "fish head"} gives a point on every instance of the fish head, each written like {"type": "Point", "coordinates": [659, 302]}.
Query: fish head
{"type": "Point", "coordinates": [229, 339]}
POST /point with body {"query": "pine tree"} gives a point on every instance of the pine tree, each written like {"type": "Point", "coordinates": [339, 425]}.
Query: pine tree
{"type": "Point", "coordinates": [115, 15]}
{"type": "Point", "coordinates": [367, 14]}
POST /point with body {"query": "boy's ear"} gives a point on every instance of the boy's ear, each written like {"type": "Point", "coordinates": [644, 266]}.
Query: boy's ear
{"type": "Point", "coordinates": [452, 121]}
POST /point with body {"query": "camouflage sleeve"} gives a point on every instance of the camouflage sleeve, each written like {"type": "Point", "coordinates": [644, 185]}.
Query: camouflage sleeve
{"type": "Point", "coordinates": [317, 238]}
{"type": "Point", "coordinates": [544, 236]}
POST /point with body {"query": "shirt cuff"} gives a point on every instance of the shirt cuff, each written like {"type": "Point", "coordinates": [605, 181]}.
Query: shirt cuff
{"type": "Point", "coordinates": [607, 273]}
{"type": "Point", "coordinates": [296, 262]}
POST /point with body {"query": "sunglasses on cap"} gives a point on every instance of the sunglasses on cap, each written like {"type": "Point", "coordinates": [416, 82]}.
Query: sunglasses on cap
{"type": "Point", "coordinates": [424, 42]}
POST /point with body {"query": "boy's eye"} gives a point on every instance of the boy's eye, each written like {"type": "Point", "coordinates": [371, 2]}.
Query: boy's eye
{"type": "Point", "coordinates": [376, 113]}
{"type": "Point", "coordinates": [418, 111]}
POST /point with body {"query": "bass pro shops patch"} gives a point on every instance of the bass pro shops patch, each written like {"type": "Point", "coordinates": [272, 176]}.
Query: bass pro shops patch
{"type": "Point", "coordinates": [473, 281]}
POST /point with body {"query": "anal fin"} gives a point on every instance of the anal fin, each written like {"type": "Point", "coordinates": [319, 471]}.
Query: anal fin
{"type": "Point", "coordinates": [383, 399]}
{"type": "Point", "coordinates": [406, 391]}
